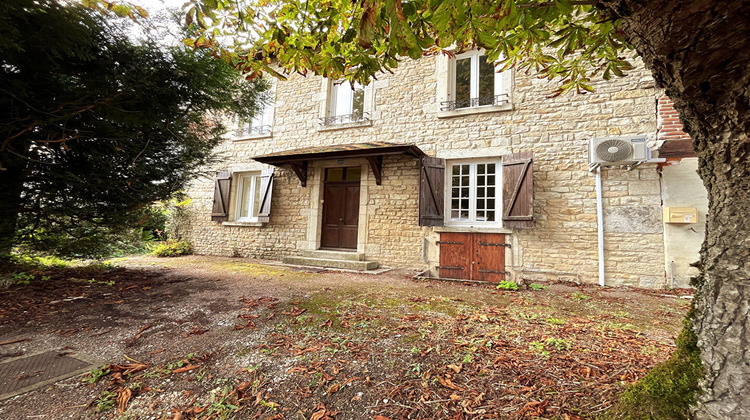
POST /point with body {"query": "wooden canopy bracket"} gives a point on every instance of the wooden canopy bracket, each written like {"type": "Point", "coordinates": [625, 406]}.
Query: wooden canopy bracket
{"type": "Point", "coordinates": [300, 169]}
{"type": "Point", "coordinates": [376, 164]}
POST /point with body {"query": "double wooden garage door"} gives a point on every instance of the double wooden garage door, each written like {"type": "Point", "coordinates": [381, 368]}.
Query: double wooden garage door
{"type": "Point", "coordinates": [472, 256]}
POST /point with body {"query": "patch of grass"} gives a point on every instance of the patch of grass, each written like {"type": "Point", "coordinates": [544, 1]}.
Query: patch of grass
{"type": "Point", "coordinates": [538, 347]}
{"type": "Point", "coordinates": [95, 374]}
{"type": "Point", "coordinates": [105, 402]}
{"type": "Point", "coordinates": [669, 389]}
{"type": "Point", "coordinates": [580, 296]}
{"type": "Point", "coordinates": [558, 343]}
{"type": "Point", "coordinates": [537, 286]}
{"type": "Point", "coordinates": [221, 407]}
{"type": "Point", "coordinates": [555, 321]}
{"type": "Point", "coordinates": [171, 248]}
{"type": "Point", "coordinates": [23, 278]}
{"type": "Point", "coordinates": [507, 285]}
{"type": "Point", "coordinates": [106, 283]}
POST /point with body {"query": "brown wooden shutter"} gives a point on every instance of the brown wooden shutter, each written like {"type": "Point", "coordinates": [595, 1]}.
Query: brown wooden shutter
{"type": "Point", "coordinates": [431, 190]}
{"type": "Point", "coordinates": [266, 189]}
{"type": "Point", "coordinates": [518, 190]}
{"type": "Point", "coordinates": [222, 186]}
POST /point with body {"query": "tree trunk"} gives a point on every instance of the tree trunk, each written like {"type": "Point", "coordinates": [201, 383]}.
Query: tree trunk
{"type": "Point", "coordinates": [699, 51]}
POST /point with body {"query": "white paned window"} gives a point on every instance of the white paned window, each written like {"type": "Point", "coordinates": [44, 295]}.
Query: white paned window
{"type": "Point", "coordinates": [261, 124]}
{"type": "Point", "coordinates": [248, 197]}
{"type": "Point", "coordinates": [473, 193]}
{"type": "Point", "coordinates": [346, 104]}
{"type": "Point", "coordinates": [476, 82]}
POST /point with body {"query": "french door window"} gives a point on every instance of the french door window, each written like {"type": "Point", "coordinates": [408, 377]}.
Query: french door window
{"type": "Point", "coordinates": [474, 195]}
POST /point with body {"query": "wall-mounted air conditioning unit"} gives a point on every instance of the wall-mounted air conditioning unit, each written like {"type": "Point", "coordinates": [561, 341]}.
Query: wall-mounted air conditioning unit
{"type": "Point", "coordinates": [613, 151]}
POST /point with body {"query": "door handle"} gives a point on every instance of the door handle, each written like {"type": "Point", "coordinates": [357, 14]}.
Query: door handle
{"type": "Point", "coordinates": [341, 219]}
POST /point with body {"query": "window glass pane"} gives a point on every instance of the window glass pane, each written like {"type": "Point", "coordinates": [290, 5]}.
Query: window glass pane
{"type": "Point", "coordinates": [246, 187]}
{"type": "Point", "coordinates": [353, 173]}
{"type": "Point", "coordinates": [358, 102]}
{"type": "Point", "coordinates": [342, 94]}
{"type": "Point", "coordinates": [256, 197]}
{"type": "Point", "coordinates": [463, 83]}
{"type": "Point", "coordinates": [486, 81]}
{"type": "Point", "coordinates": [456, 170]}
{"type": "Point", "coordinates": [334, 174]}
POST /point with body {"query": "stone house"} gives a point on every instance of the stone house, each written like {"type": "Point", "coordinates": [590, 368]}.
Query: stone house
{"type": "Point", "coordinates": [458, 171]}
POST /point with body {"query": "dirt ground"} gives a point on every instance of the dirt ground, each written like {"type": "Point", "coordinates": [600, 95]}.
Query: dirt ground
{"type": "Point", "coordinates": [207, 337]}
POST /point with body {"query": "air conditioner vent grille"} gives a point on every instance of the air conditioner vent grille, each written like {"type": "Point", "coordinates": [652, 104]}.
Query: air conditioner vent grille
{"type": "Point", "coordinates": [614, 150]}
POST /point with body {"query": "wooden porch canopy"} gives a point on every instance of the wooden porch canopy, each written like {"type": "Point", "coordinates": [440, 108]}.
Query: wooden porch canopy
{"type": "Point", "coordinates": [299, 159]}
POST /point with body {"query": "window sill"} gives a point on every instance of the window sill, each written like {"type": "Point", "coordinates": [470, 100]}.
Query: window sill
{"type": "Point", "coordinates": [469, 228]}
{"type": "Point", "coordinates": [243, 224]}
{"type": "Point", "coordinates": [335, 127]}
{"type": "Point", "coordinates": [253, 137]}
{"type": "Point", "coordinates": [476, 110]}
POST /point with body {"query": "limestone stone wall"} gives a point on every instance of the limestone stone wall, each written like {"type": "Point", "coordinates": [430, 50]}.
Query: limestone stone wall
{"type": "Point", "coordinates": [405, 108]}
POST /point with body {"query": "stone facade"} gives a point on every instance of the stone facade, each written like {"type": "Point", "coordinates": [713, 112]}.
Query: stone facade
{"type": "Point", "coordinates": [405, 107]}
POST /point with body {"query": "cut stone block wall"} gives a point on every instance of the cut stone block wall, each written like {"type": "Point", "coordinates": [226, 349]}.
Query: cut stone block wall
{"type": "Point", "coordinates": [405, 108]}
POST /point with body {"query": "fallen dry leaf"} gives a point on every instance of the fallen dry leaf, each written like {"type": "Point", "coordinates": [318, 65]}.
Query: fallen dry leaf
{"type": "Point", "coordinates": [195, 331]}
{"type": "Point", "coordinates": [187, 368]}
{"type": "Point", "coordinates": [123, 397]}
{"type": "Point", "coordinates": [18, 340]}
{"type": "Point", "coordinates": [449, 384]}
{"type": "Point", "coordinates": [143, 328]}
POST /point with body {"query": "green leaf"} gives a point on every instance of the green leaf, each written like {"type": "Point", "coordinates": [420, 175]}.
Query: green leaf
{"type": "Point", "coordinates": [564, 6]}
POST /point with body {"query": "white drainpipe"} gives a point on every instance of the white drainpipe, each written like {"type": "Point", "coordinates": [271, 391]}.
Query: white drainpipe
{"type": "Point", "coordinates": [600, 223]}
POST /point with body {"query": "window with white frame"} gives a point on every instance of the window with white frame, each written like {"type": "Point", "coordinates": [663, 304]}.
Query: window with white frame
{"type": "Point", "coordinates": [473, 192]}
{"type": "Point", "coordinates": [474, 82]}
{"type": "Point", "coordinates": [346, 103]}
{"type": "Point", "coordinates": [260, 125]}
{"type": "Point", "coordinates": [248, 197]}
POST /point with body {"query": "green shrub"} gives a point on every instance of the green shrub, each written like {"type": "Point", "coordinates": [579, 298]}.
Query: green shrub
{"type": "Point", "coordinates": [507, 285]}
{"type": "Point", "coordinates": [537, 286]}
{"type": "Point", "coordinates": [171, 248]}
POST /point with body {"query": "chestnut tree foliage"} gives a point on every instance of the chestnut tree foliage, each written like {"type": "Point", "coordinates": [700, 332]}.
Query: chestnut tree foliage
{"type": "Point", "coordinates": [571, 40]}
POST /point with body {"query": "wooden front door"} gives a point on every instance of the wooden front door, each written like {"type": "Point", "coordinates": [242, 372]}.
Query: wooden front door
{"type": "Point", "coordinates": [472, 256]}
{"type": "Point", "coordinates": [340, 208]}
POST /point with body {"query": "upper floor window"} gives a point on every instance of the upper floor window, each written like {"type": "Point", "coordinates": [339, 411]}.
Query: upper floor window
{"type": "Point", "coordinates": [346, 104]}
{"type": "Point", "coordinates": [473, 193]}
{"type": "Point", "coordinates": [473, 82]}
{"type": "Point", "coordinates": [260, 125]}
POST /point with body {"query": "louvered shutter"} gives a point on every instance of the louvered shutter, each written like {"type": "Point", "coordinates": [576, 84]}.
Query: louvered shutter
{"type": "Point", "coordinates": [431, 190]}
{"type": "Point", "coordinates": [222, 186]}
{"type": "Point", "coordinates": [518, 190]}
{"type": "Point", "coordinates": [266, 189]}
